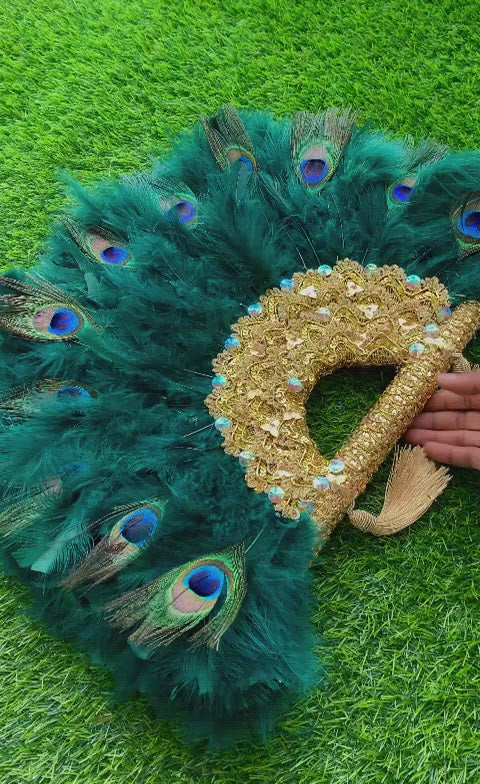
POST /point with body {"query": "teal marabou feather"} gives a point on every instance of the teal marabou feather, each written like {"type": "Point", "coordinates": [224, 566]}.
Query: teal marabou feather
{"type": "Point", "coordinates": [161, 320]}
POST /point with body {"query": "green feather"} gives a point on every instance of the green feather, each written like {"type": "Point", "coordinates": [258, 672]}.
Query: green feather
{"type": "Point", "coordinates": [177, 201]}
{"type": "Point", "coordinates": [318, 142]}
{"type": "Point", "coordinates": [29, 508]}
{"type": "Point", "coordinates": [467, 211]}
{"type": "Point", "coordinates": [417, 158]}
{"type": "Point", "coordinates": [97, 242]}
{"type": "Point", "coordinates": [228, 138]}
{"type": "Point", "coordinates": [25, 401]}
{"type": "Point", "coordinates": [115, 550]}
{"type": "Point", "coordinates": [167, 608]}
{"type": "Point", "coordinates": [42, 312]}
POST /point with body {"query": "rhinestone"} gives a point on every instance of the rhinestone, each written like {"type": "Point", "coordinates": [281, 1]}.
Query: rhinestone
{"type": "Point", "coordinates": [416, 349]}
{"type": "Point", "coordinates": [276, 494]}
{"type": "Point", "coordinates": [222, 424]}
{"type": "Point", "coordinates": [306, 507]}
{"type": "Point", "coordinates": [287, 284]}
{"type": "Point", "coordinates": [324, 270]}
{"type": "Point", "coordinates": [413, 282]}
{"type": "Point", "coordinates": [254, 310]}
{"type": "Point", "coordinates": [432, 330]}
{"type": "Point", "coordinates": [295, 385]}
{"type": "Point", "coordinates": [371, 269]}
{"type": "Point", "coordinates": [336, 466]}
{"type": "Point", "coordinates": [219, 382]}
{"type": "Point", "coordinates": [321, 483]}
{"type": "Point", "coordinates": [232, 342]}
{"type": "Point", "coordinates": [245, 458]}
{"type": "Point", "coordinates": [444, 313]}
{"type": "Point", "coordinates": [324, 314]}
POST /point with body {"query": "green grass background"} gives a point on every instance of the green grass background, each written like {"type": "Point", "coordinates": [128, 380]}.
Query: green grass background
{"type": "Point", "coordinates": [98, 87]}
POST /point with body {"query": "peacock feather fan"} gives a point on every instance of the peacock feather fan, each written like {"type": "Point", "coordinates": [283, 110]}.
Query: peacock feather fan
{"type": "Point", "coordinates": [199, 598]}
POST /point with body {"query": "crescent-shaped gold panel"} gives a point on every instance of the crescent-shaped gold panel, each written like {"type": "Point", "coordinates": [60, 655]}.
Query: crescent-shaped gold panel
{"type": "Point", "coordinates": [317, 322]}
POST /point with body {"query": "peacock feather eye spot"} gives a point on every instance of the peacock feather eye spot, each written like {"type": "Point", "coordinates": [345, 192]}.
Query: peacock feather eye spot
{"type": "Point", "coordinates": [61, 322]}
{"type": "Point", "coordinates": [108, 251]}
{"type": "Point", "coordinates": [402, 192]}
{"type": "Point", "coordinates": [114, 254]}
{"type": "Point", "coordinates": [73, 390]}
{"type": "Point", "coordinates": [139, 526]}
{"type": "Point", "coordinates": [64, 322]}
{"type": "Point", "coordinates": [71, 469]}
{"type": "Point", "coordinates": [247, 163]}
{"type": "Point", "coordinates": [235, 154]}
{"type": "Point", "coordinates": [469, 223]}
{"type": "Point", "coordinates": [186, 212]}
{"type": "Point", "coordinates": [316, 164]}
{"type": "Point", "coordinates": [314, 170]}
{"type": "Point", "coordinates": [206, 581]}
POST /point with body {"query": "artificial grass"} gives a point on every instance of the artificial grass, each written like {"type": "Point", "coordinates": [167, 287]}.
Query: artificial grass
{"type": "Point", "coordinates": [97, 89]}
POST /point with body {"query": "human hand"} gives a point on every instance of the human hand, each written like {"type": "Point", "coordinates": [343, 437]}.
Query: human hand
{"type": "Point", "coordinates": [448, 429]}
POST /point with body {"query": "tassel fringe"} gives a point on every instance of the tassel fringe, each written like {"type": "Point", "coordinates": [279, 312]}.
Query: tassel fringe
{"type": "Point", "coordinates": [414, 483]}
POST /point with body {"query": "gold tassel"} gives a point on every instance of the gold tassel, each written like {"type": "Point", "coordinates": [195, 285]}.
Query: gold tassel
{"type": "Point", "coordinates": [460, 364]}
{"type": "Point", "coordinates": [414, 483]}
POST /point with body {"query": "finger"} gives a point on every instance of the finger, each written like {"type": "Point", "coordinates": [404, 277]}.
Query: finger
{"type": "Point", "coordinates": [448, 420]}
{"type": "Point", "coordinates": [463, 456]}
{"type": "Point", "coordinates": [454, 437]}
{"type": "Point", "coordinates": [461, 383]}
{"type": "Point", "coordinates": [444, 400]}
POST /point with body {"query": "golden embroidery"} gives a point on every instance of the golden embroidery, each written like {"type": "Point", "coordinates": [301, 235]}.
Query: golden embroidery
{"type": "Point", "coordinates": [350, 316]}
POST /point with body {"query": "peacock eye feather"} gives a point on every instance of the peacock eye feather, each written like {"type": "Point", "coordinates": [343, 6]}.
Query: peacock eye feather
{"type": "Point", "coordinates": [184, 597]}
{"type": "Point", "coordinates": [124, 542]}
{"type": "Point", "coordinates": [75, 391]}
{"type": "Point", "coordinates": [315, 166]}
{"type": "Point", "coordinates": [466, 224]}
{"type": "Point", "coordinates": [401, 192]}
{"type": "Point", "coordinates": [41, 312]}
{"type": "Point", "coordinates": [206, 581]}
{"type": "Point", "coordinates": [177, 202]}
{"type": "Point", "coordinates": [138, 527]}
{"type": "Point", "coordinates": [229, 140]}
{"type": "Point", "coordinates": [237, 154]}
{"type": "Point", "coordinates": [317, 145]}
{"type": "Point", "coordinates": [99, 244]}
{"type": "Point", "coordinates": [185, 212]}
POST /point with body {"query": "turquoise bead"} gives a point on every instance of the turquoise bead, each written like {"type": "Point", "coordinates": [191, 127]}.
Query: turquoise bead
{"type": "Point", "coordinates": [254, 310]}
{"type": "Point", "coordinates": [432, 330]}
{"type": "Point", "coordinates": [295, 385]}
{"type": "Point", "coordinates": [287, 284]}
{"type": "Point", "coordinates": [324, 270]}
{"type": "Point", "coordinates": [222, 424]}
{"type": "Point", "coordinates": [276, 494]}
{"type": "Point", "coordinates": [306, 507]}
{"type": "Point", "coordinates": [321, 483]}
{"type": "Point", "coordinates": [336, 466]}
{"type": "Point", "coordinates": [416, 349]}
{"type": "Point", "coordinates": [413, 281]}
{"type": "Point", "coordinates": [245, 458]}
{"type": "Point", "coordinates": [232, 342]}
{"type": "Point", "coordinates": [444, 313]}
{"type": "Point", "coordinates": [371, 268]}
{"type": "Point", "coordinates": [219, 382]}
